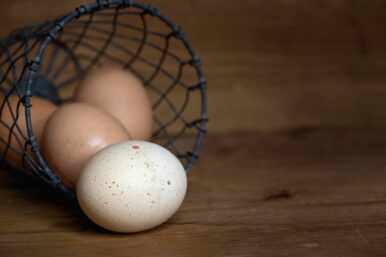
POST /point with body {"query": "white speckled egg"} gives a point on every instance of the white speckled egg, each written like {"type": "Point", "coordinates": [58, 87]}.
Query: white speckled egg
{"type": "Point", "coordinates": [131, 186]}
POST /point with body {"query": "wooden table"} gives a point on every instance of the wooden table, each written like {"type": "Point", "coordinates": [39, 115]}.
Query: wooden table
{"type": "Point", "coordinates": [296, 193]}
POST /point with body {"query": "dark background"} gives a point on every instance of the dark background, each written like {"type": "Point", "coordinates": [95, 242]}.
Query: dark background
{"type": "Point", "coordinates": [281, 64]}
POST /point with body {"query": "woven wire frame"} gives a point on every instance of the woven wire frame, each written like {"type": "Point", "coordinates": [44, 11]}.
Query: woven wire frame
{"type": "Point", "coordinates": [49, 60]}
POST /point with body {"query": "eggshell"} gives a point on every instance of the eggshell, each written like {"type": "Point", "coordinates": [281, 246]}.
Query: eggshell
{"type": "Point", "coordinates": [131, 186]}
{"type": "Point", "coordinates": [73, 134]}
{"type": "Point", "coordinates": [41, 110]}
{"type": "Point", "coordinates": [121, 94]}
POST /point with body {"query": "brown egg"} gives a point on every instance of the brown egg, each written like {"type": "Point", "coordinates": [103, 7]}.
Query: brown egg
{"type": "Point", "coordinates": [41, 110]}
{"type": "Point", "coordinates": [73, 134]}
{"type": "Point", "coordinates": [122, 94]}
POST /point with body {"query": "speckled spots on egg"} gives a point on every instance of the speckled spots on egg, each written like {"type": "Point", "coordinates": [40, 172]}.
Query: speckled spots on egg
{"type": "Point", "coordinates": [150, 204]}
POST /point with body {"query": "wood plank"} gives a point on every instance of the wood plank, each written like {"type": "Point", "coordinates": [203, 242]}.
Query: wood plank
{"type": "Point", "coordinates": [273, 65]}
{"type": "Point", "coordinates": [299, 193]}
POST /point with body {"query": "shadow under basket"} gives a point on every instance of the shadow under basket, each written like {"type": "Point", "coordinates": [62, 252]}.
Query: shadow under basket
{"type": "Point", "coordinates": [49, 59]}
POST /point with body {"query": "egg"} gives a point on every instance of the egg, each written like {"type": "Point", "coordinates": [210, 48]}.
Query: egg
{"type": "Point", "coordinates": [122, 94]}
{"type": "Point", "coordinates": [131, 186]}
{"type": "Point", "coordinates": [41, 110]}
{"type": "Point", "coordinates": [73, 133]}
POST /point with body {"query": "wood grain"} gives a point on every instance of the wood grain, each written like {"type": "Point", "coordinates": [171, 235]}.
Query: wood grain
{"type": "Point", "coordinates": [273, 65]}
{"type": "Point", "coordinates": [296, 193]}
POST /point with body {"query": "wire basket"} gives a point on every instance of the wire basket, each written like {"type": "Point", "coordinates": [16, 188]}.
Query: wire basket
{"type": "Point", "coordinates": [49, 59]}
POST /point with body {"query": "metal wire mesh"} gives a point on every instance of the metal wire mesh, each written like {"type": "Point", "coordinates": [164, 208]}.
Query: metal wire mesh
{"type": "Point", "coordinates": [49, 59]}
